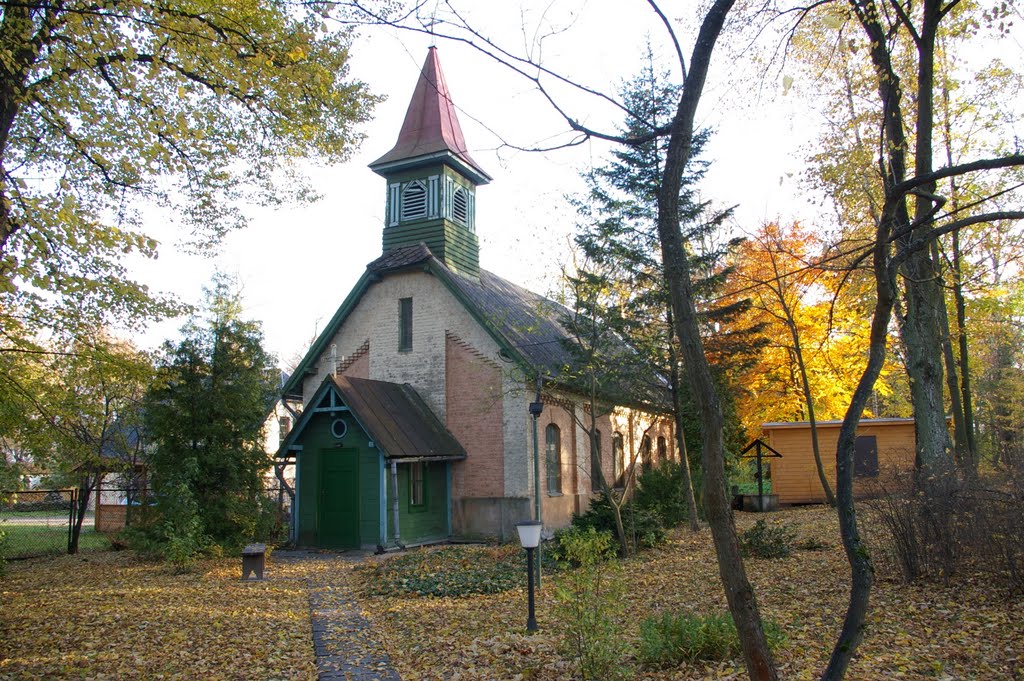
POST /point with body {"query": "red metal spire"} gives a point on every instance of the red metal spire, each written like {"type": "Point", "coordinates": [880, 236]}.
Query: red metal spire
{"type": "Point", "coordinates": [431, 126]}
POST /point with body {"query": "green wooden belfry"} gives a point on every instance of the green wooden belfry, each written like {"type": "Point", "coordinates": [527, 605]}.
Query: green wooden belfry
{"type": "Point", "coordinates": [432, 179]}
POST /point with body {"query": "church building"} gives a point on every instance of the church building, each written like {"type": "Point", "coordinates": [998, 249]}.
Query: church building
{"type": "Point", "coordinates": [419, 399]}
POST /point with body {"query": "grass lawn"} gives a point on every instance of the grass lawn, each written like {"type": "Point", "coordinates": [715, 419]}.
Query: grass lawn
{"type": "Point", "coordinates": [110, 616]}
{"type": "Point", "coordinates": [35, 540]}
{"type": "Point", "coordinates": [966, 630]}
{"type": "Point", "coordinates": [58, 514]}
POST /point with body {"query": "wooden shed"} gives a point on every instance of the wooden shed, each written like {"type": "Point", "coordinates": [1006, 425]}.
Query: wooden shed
{"type": "Point", "coordinates": [883, 447]}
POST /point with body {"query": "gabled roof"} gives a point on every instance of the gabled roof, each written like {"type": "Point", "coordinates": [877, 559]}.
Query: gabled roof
{"type": "Point", "coordinates": [527, 327]}
{"type": "Point", "coordinates": [431, 129]}
{"type": "Point", "coordinates": [393, 415]}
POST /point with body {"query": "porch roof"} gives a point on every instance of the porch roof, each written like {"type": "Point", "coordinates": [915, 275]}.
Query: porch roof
{"type": "Point", "coordinates": [394, 416]}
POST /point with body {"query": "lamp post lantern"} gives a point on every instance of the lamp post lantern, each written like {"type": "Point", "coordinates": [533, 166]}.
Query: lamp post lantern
{"type": "Point", "coordinates": [529, 537]}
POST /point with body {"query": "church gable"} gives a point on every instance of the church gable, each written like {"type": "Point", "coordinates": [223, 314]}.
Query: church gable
{"type": "Point", "coordinates": [395, 331]}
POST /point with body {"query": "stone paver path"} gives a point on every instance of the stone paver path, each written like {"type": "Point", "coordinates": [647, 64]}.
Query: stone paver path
{"type": "Point", "coordinates": [345, 645]}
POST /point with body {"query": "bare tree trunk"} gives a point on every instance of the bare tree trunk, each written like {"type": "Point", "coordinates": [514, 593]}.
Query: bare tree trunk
{"type": "Point", "coordinates": [684, 457]}
{"type": "Point", "coordinates": [921, 329]}
{"type": "Point", "coordinates": [964, 366]}
{"type": "Point", "coordinates": [960, 439]}
{"type": "Point", "coordinates": [862, 572]}
{"type": "Point", "coordinates": [84, 494]}
{"type": "Point", "coordinates": [738, 591]}
{"type": "Point", "coordinates": [809, 400]}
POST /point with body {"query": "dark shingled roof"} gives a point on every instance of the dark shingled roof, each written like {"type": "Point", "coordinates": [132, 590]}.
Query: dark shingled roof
{"type": "Point", "coordinates": [393, 415]}
{"type": "Point", "coordinates": [527, 322]}
{"type": "Point", "coordinates": [397, 419]}
{"type": "Point", "coordinates": [528, 326]}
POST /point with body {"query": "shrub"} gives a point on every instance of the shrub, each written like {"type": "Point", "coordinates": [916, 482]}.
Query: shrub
{"type": "Point", "coordinates": [767, 541]}
{"type": "Point", "coordinates": [973, 524]}
{"type": "Point", "coordinates": [589, 604]}
{"type": "Point", "coordinates": [668, 639]}
{"type": "Point", "coordinates": [660, 490]}
{"type": "Point", "coordinates": [451, 571]}
{"type": "Point", "coordinates": [644, 527]}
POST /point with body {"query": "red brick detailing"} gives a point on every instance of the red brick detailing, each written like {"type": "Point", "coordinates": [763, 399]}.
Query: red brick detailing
{"type": "Point", "coordinates": [474, 409]}
{"type": "Point", "coordinates": [356, 365]}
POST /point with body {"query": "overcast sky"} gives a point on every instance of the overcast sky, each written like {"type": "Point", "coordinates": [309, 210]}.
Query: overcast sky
{"type": "Point", "coordinates": [297, 265]}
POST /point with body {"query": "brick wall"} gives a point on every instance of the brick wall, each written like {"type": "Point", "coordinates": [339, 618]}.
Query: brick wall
{"type": "Point", "coordinates": [474, 396]}
{"type": "Point", "coordinates": [357, 365]}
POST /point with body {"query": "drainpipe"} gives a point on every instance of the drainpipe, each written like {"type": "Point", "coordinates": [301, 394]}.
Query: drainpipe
{"type": "Point", "coordinates": [394, 503]}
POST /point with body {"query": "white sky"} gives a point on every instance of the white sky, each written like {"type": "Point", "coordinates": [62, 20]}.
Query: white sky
{"type": "Point", "coordinates": [297, 265]}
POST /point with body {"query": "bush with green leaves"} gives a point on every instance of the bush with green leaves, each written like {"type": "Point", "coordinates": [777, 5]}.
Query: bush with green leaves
{"type": "Point", "coordinates": [667, 639]}
{"type": "Point", "coordinates": [660, 490]}
{"type": "Point", "coordinates": [644, 527]}
{"type": "Point", "coordinates": [589, 605]}
{"type": "Point", "coordinates": [767, 541]}
{"type": "Point", "coordinates": [450, 571]}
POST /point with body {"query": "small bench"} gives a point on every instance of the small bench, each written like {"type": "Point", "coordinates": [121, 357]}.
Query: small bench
{"type": "Point", "coordinates": [253, 560]}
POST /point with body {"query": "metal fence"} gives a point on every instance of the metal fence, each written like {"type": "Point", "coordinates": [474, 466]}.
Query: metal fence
{"type": "Point", "coordinates": [39, 522]}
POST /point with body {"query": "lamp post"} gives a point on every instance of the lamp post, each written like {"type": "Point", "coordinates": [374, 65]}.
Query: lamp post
{"type": "Point", "coordinates": [536, 408]}
{"type": "Point", "coordinates": [529, 537]}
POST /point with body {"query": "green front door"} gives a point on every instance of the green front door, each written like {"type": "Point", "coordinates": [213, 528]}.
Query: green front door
{"type": "Point", "coordinates": [339, 499]}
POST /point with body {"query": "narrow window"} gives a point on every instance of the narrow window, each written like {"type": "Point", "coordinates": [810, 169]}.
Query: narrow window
{"type": "Point", "coordinates": [284, 426]}
{"type": "Point", "coordinates": [595, 462]}
{"type": "Point", "coordinates": [460, 205]}
{"type": "Point", "coordinates": [417, 488]}
{"type": "Point", "coordinates": [404, 324]}
{"type": "Point", "coordinates": [619, 460]}
{"type": "Point", "coordinates": [414, 201]}
{"type": "Point", "coordinates": [645, 453]}
{"type": "Point", "coordinates": [553, 450]}
{"type": "Point", "coordinates": [662, 450]}
{"type": "Point", "coordinates": [865, 457]}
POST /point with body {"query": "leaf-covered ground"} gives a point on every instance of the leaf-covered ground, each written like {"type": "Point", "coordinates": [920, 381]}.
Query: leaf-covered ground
{"type": "Point", "coordinates": [109, 616]}
{"type": "Point", "coordinates": [967, 630]}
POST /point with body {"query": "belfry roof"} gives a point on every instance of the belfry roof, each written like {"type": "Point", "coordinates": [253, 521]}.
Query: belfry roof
{"type": "Point", "coordinates": [431, 129]}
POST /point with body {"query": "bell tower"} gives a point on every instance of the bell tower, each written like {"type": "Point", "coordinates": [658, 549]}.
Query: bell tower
{"type": "Point", "coordinates": [431, 178]}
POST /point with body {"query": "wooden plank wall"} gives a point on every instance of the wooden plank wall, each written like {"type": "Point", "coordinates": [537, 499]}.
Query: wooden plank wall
{"type": "Point", "coordinates": [795, 478]}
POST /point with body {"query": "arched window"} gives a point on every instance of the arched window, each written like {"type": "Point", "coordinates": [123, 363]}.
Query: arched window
{"type": "Point", "coordinates": [595, 462]}
{"type": "Point", "coordinates": [460, 205]}
{"type": "Point", "coordinates": [414, 201]}
{"type": "Point", "coordinates": [645, 453]}
{"type": "Point", "coordinates": [553, 450]}
{"type": "Point", "coordinates": [619, 460]}
{"type": "Point", "coordinates": [662, 450]}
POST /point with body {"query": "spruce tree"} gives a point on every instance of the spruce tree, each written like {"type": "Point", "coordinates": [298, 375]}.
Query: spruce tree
{"type": "Point", "coordinates": [620, 255]}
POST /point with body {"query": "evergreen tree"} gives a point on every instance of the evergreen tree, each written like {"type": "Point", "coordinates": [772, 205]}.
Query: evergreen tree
{"type": "Point", "coordinates": [620, 251]}
{"type": "Point", "coordinates": [205, 417]}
